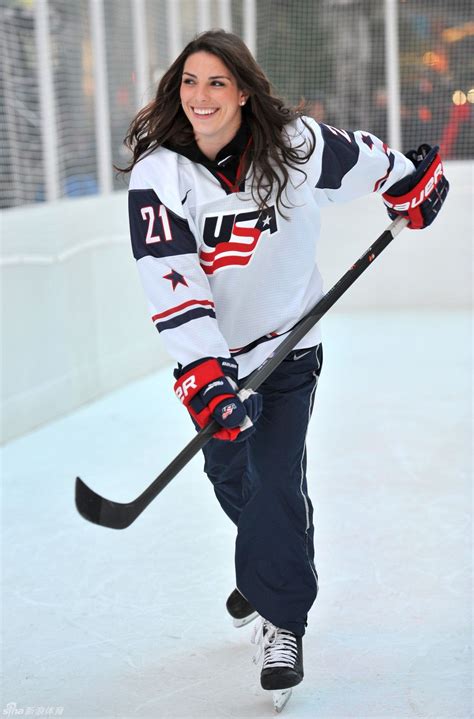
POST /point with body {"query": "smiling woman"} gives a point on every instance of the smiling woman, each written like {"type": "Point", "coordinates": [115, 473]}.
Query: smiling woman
{"type": "Point", "coordinates": [225, 194]}
{"type": "Point", "coordinates": [212, 102]}
{"type": "Point", "coordinates": [219, 62]}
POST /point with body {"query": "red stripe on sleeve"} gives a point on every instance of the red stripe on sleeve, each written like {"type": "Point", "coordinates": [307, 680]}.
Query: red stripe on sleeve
{"type": "Point", "coordinates": [172, 310]}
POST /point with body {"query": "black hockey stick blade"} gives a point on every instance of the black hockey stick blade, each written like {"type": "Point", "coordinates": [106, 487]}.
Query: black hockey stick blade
{"type": "Point", "coordinates": [103, 512]}
{"type": "Point", "coordinates": [117, 515]}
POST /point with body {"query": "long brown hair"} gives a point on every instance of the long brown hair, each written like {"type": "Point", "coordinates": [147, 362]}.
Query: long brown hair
{"type": "Point", "coordinates": [163, 119]}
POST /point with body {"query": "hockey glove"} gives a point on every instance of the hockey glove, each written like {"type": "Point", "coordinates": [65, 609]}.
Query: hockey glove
{"type": "Point", "coordinates": [419, 196]}
{"type": "Point", "coordinates": [208, 389]}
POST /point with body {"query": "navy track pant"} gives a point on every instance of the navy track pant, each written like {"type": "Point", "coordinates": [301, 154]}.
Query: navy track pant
{"type": "Point", "coordinates": [261, 485]}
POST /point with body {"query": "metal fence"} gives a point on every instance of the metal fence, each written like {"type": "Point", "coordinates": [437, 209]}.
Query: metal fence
{"type": "Point", "coordinates": [73, 74]}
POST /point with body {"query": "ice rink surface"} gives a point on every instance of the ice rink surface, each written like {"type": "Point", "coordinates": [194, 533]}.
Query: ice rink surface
{"type": "Point", "coordinates": [104, 623]}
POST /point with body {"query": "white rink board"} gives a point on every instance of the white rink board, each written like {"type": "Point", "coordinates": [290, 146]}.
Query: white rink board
{"type": "Point", "coordinates": [75, 323]}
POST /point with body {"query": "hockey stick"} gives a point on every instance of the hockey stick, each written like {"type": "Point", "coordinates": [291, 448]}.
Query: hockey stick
{"type": "Point", "coordinates": [117, 515]}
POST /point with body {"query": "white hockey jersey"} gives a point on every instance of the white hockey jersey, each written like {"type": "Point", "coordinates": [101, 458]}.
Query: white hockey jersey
{"type": "Point", "coordinates": [225, 278]}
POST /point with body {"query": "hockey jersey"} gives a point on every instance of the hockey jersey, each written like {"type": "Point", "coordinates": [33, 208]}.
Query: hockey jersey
{"type": "Point", "coordinates": [224, 278]}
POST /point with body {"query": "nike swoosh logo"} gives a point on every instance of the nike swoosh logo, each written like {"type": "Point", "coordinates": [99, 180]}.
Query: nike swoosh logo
{"type": "Point", "coordinates": [303, 354]}
{"type": "Point", "coordinates": [185, 197]}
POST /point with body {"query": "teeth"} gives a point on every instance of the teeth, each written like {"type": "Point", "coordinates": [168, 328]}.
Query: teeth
{"type": "Point", "coordinates": [204, 111]}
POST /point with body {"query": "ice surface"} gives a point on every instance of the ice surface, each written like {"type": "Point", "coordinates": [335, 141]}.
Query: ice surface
{"type": "Point", "coordinates": [132, 623]}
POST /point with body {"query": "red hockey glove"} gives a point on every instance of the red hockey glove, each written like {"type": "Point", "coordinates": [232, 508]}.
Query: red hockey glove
{"type": "Point", "coordinates": [208, 389]}
{"type": "Point", "coordinates": [419, 196]}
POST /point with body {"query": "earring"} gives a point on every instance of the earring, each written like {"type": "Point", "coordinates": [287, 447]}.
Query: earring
{"type": "Point", "coordinates": [242, 103]}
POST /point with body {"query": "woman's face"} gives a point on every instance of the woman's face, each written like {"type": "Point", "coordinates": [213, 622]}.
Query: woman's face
{"type": "Point", "coordinates": [211, 99]}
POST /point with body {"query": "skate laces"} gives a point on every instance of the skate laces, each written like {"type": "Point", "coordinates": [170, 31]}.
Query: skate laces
{"type": "Point", "coordinates": [277, 645]}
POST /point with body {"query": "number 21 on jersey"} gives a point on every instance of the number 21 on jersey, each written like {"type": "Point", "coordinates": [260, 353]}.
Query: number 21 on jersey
{"type": "Point", "coordinates": [148, 214]}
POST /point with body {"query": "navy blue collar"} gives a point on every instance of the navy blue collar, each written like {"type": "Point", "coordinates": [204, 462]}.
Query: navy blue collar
{"type": "Point", "coordinates": [227, 159]}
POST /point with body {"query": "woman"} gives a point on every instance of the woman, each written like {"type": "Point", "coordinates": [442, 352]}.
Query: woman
{"type": "Point", "coordinates": [225, 194]}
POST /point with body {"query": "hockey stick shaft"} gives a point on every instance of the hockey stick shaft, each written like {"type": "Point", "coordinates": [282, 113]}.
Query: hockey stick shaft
{"type": "Point", "coordinates": [117, 515]}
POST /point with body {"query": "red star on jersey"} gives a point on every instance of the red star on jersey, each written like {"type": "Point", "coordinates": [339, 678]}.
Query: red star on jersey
{"type": "Point", "coordinates": [176, 279]}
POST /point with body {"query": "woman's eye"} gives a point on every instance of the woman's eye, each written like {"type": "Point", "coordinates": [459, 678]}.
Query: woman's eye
{"type": "Point", "coordinates": [191, 81]}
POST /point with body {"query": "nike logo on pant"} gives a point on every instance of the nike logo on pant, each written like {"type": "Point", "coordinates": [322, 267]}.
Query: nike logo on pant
{"type": "Point", "coordinates": [303, 354]}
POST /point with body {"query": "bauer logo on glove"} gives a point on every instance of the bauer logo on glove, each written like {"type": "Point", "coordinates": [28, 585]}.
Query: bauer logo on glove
{"type": "Point", "coordinates": [182, 390]}
{"type": "Point", "coordinates": [420, 196]}
{"type": "Point", "coordinates": [423, 192]}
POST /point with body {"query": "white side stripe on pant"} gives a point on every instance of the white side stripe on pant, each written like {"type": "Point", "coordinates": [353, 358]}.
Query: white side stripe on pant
{"type": "Point", "coordinates": [305, 498]}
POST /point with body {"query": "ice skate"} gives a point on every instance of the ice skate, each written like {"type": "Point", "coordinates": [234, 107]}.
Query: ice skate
{"type": "Point", "coordinates": [282, 667]}
{"type": "Point", "coordinates": [240, 609]}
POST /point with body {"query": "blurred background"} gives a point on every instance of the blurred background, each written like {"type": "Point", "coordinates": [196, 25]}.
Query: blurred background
{"type": "Point", "coordinates": [56, 55]}
{"type": "Point", "coordinates": [73, 75]}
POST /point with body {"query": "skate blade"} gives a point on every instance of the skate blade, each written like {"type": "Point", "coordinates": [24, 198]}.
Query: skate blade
{"type": "Point", "coordinates": [246, 620]}
{"type": "Point", "coordinates": [281, 698]}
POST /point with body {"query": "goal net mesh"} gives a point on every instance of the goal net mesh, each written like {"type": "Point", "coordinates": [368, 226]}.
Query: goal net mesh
{"type": "Point", "coordinates": [332, 53]}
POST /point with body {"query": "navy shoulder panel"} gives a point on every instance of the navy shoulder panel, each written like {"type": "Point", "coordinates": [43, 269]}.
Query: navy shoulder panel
{"type": "Point", "coordinates": [154, 229]}
{"type": "Point", "coordinates": [340, 154]}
